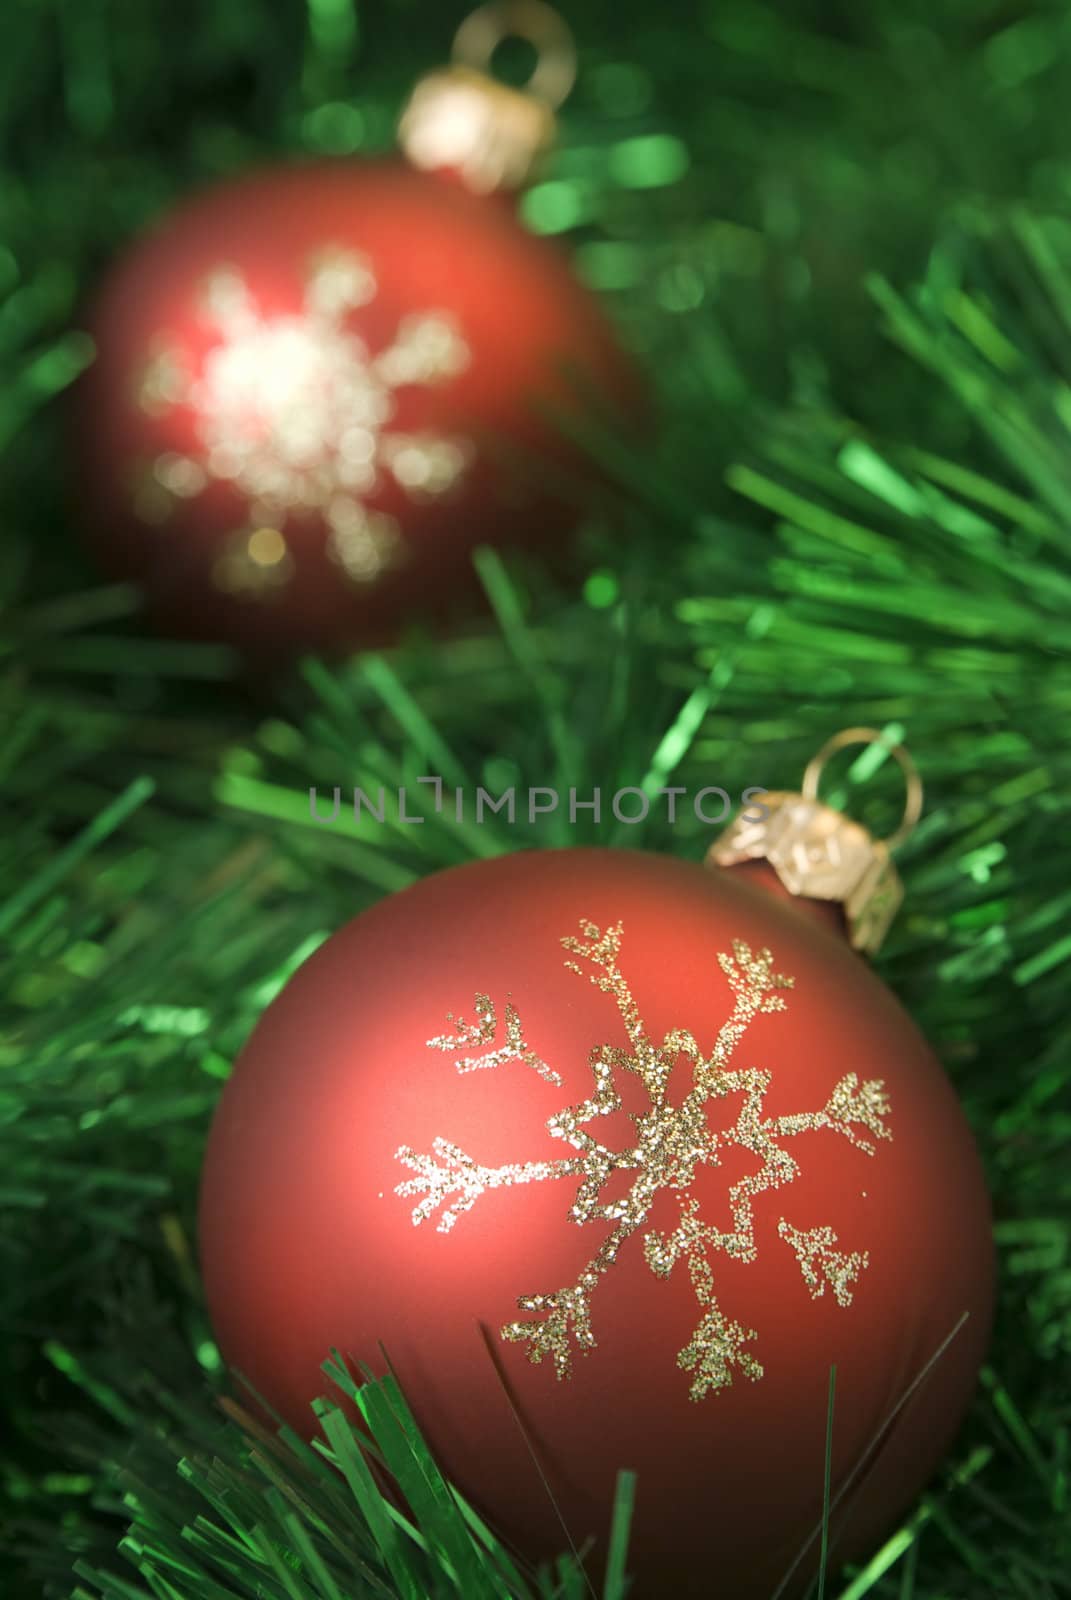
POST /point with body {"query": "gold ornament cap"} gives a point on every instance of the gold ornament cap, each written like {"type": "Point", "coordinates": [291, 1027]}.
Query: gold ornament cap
{"type": "Point", "coordinates": [819, 853]}
{"type": "Point", "coordinates": [461, 117]}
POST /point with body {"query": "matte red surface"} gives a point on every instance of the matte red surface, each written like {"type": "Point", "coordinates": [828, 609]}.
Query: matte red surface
{"type": "Point", "coordinates": [537, 340]}
{"type": "Point", "coordinates": [305, 1244]}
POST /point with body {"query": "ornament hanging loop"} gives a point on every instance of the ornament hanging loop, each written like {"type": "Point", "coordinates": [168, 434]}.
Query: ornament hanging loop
{"type": "Point", "coordinates": [481, 33]}
{"type": "Point", "coordinates": [819, 853]}
{"type": "Point", "coordinates": [848, 736]}
{"type": "Point", "coordinates": [462, 119]}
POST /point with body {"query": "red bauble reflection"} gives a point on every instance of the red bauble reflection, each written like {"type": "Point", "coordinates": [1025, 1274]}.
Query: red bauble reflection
{"type": "Point", "coordinates": [317, 389]}
{"type": "Point", "coordinates": [630, 1151]}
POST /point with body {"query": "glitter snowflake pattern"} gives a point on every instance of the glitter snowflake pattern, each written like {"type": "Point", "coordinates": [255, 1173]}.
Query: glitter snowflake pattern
{"type": "Point", "coordinates": [672, 1143]}
{"type": "Point", "coordinates": [294, 412]}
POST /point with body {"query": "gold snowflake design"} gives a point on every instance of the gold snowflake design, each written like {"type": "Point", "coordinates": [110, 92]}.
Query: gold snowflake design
{"type": "Point", "coordinates": [672, 1143]}
{"type": "Point", "coordinates": [293, 411]}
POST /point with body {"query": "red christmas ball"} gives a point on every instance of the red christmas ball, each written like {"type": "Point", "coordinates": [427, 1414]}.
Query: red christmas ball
{"type": "Point", "coordinates": [670, 1149]}
{"type": "Point", "coordinates": [318, 389]}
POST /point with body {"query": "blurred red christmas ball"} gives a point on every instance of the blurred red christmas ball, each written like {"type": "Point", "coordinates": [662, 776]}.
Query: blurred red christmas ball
{"type": "Point", "coordinates": [673, 1146]}
{"type": "Point", "coordinates": [317, 389]}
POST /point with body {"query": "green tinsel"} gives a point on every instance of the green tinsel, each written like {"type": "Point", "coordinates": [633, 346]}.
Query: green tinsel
{"type": "Point", "coordinates": [837, 237]}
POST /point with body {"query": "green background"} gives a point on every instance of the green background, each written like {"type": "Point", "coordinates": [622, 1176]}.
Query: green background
{"type": "Point", "coordinates": [837, 238]}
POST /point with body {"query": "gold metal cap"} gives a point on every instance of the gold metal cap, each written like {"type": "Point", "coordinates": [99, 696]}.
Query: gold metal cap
{"type": "Point", "coordinates": [461, 117]}
{"type": "Point", "coordinates": [821, 854]}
